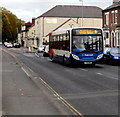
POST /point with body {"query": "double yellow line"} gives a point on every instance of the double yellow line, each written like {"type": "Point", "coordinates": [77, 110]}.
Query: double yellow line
{"type": "Point", "coordinates": [69, 106]}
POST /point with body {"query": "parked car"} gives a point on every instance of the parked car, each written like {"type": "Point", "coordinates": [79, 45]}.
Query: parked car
{"type": "Point", "coordinates": [112, 56]}
{"type": "Point", "coordinates": [106, 49]}
{"type": "Point", "coordinates": [0, 43]}
{"type": "Point", "coordinates": [5, 43]}
{"type": "Point", "coordinates": [16, 45]}
{"type": "Point", "coordinates": [9, 45]}
{"type": "Point", "coordinates": [34, 47]}
{"type": "Point", "coordinates": [46, 51]}
{"type": "Point", "coordinates": [40, 48]}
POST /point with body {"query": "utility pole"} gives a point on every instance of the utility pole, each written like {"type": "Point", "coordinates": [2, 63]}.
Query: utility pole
{"type": "Point", "coordinates": [82, 13]}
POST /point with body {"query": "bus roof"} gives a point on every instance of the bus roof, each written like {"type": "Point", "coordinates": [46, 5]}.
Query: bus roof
{"type": "Point", "coordinates": [63, 31]}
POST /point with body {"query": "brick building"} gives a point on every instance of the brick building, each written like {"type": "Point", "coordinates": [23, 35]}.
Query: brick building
{"type": "Point", "coordinates": [111, 24]}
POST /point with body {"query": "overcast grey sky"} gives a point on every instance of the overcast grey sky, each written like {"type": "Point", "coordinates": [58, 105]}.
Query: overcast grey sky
{"type": "Point", "coordinates": [26, 9]}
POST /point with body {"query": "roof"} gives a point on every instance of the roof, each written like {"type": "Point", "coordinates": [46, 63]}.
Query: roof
{"type": "Point", "coordinates": [114, 5]}
{"type": "Point", "coordinates": [31, 26]}
{"type": "Point", "coordinates": [27, 24]}
{"type": "Point", "coordinates": [74, 11]}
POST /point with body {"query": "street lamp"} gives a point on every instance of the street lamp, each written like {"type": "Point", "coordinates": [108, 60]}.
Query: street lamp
{"type": "Point", "coordinates": [82, 13]}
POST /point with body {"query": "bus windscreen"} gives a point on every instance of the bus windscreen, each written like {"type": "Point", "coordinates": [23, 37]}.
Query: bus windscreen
{"type": "Point", "coordinates": [87, 43]}
{"type": "Point", "coordinates": [87, 39]}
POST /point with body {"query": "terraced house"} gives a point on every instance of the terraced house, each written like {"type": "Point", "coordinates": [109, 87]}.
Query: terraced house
{"type": "Point", "coordinates": [111, 24]}
{"type": "Point", "coordinates": [27, 33]}
{"type": "Point", "coordinates": [66, 16]}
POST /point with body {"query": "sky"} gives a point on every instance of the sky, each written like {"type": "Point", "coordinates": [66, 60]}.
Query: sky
{"type": "Point", "coordinates": [28, 9]}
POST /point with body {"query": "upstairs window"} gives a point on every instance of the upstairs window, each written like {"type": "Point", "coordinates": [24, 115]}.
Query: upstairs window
{"type": "Point", "coordinates": [107, 18]}
{"type": "Point", "coordinates": [116, 16]}
{"type": "Point", "coordinates": [113, 17]}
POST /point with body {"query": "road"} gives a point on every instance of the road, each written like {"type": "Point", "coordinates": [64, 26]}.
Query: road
{"type": "Point", "coordinates": [88, 90]}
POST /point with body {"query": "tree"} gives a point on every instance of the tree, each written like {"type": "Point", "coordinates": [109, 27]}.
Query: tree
{"type": "Point", "coordinates": [11, 25]}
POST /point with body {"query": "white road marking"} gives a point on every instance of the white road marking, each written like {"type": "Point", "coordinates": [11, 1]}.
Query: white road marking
{"type": "Point", "coordinates": [108, 77]}
{"type": "Point", "coordinates": [99, 73]}
{"type": "Point", "coordinates": [28, 55]}
{"type": "Point", "coordinates": [84, 69]}
{"type": "Point", "coordinates": [25, 72]}
{"type": "Point", "coordinates": [37, 55]}
{"type": "Point", "coordinates": [114, 78]}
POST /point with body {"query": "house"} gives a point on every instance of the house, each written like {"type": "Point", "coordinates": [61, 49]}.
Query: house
{"type": "Point", "coordinates": [31, 35]}
{"type": "Point", "coordinates": [19, 38]}
{"type": "Point", "coordinates": [66, 16]}
{"type": "Point", "coordinates": [111, 24]}
{"type": "Point", "coordinates": [24, 33]}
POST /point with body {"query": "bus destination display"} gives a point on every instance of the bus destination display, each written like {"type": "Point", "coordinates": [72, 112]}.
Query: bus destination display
{"type": "Point", "coordinates": [86, 32]}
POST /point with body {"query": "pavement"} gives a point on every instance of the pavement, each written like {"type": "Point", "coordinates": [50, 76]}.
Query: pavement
{"type": "Point", "coordinates": [23, 92]}
{"type": "Point", "coordinates": [0, 82]}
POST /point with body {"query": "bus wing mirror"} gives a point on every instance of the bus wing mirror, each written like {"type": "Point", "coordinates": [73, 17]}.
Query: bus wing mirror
{"type": "Point", "coordinates": [108, 52]}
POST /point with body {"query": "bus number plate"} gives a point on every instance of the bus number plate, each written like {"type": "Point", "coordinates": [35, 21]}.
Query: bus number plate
{"type": "Point", "coordinates": [87, 62]}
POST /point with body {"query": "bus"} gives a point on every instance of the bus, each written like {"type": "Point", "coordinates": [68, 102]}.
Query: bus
{"type": "Point", "coordinates": [76, 45]}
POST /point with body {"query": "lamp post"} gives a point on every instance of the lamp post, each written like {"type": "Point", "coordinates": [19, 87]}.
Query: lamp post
{"type": "Point", "coordinates": [82, 13]}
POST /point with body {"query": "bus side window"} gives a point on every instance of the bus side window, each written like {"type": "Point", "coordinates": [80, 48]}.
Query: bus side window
{"type": "Point", "coordinates": [67, 41]}
{"type": "Point", "coordinates": [61, 42]}
{"type": "Point", "coordinates": [64, 42]}
{"type": "Point", "coordinates": [55, 40]}
{"type": "Point", "coordinates": [57, 43]}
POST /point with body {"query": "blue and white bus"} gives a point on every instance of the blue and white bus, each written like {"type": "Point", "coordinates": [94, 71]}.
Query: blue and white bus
{"type": "Point", "coordinates": [76, 45]}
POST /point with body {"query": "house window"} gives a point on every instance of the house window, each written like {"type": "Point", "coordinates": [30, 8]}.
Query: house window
{"type": "Point", "coordinates": [118, 38]}
{"type": "Point", "coordinates": [37, 22]}
{"type": "Point", "coordinates": [113, 17]}
{"type": "Point", "coordinates": [106, 34]}
{"type": "Point", "coordinates": [112, 39]}
{"type": "Point", "coordinates": [116, 14]}
{"type": "Point", "coordinates": [107, 18]}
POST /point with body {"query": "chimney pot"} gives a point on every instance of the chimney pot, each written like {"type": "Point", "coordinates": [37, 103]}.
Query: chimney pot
{"type": "Point", "coordinates": [114, 1]}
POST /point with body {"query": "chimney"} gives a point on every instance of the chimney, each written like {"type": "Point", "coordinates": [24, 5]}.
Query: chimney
{"type": "Point", "coordinates": [115, 1]}
{"type": "Point", "coordinates": [33, 20]}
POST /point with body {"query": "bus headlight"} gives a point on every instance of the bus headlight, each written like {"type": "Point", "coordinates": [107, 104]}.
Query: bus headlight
{"type": "Point", "coordinates": [116, 57]}
{"type": "Point", "coordinates": [100, 56]}
{"type": "Point", "coordinates": [75, 57]}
